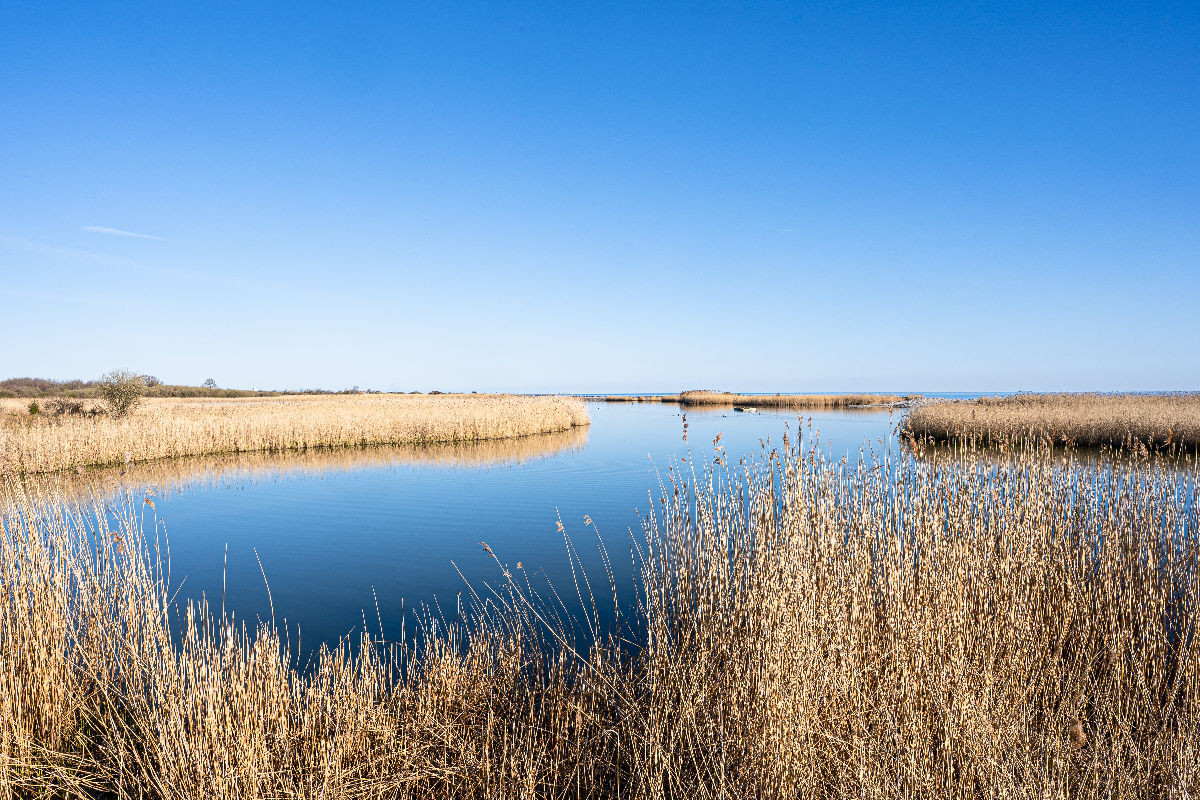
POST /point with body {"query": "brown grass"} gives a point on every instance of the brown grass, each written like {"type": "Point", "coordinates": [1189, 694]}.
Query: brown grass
{"type": "Point", "coordinates": [1155, 421]}
{"type": "Point", "coordinates": [170, 428]}
{"type": "Point", "coordinates": [804, 629]}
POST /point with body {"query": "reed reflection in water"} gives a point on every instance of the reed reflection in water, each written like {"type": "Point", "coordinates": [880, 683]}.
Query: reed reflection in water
{"type": "Point", "coordinates": [193, 472]}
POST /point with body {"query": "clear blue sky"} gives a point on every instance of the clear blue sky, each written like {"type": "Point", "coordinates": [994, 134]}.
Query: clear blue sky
{"type": "Point", "coordinates": [603, 197]}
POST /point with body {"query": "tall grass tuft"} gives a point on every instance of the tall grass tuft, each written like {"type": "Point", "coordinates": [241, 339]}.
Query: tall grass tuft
{"type": "Point", "coordinates": [889, 628]}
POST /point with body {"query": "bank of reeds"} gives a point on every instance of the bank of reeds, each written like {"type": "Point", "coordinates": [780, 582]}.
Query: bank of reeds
{"type": "Point", "coordinates": [1119, 421]}
{"type": "Point", "coordinates": [798, 401]}
{"type": "Point", "coordinates": [803, 629]}
{"type": "Point", "coordinates": [169, 428]}
{"type": "Point", "coordinates": [164, 476]}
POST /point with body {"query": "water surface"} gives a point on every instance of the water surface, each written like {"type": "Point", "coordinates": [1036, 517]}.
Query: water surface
{"type": "Point", "coordinates": [336, 530]}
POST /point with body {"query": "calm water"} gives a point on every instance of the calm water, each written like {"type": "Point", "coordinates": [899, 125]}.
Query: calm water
{"type": "Point", "coordinates": [332, 528]}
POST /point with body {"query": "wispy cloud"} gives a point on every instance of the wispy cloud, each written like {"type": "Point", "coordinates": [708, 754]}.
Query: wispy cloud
{"type": "Point", "coordinates": [53, 297]}
{"type": "Point", "coordinates": [76, 254]}
{"type": "Point", "coordinates": [193, 277]}
{"type": "Point", "coordinates": [63, 252]}
{"type": "Point", "coordinates": [119, 232]}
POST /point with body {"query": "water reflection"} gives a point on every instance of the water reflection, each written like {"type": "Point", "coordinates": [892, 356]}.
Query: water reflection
{"type": "Point", "coordinates": [1087, 458]}
{"type": "Point", "coordinates": [213, 471]}
{"type": "Point", "coordinates": [348, 535]}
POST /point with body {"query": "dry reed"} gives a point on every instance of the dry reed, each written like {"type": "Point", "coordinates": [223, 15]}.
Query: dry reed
{"type": "Point", "coordinates": [169, 428]}
{"type": "Point", "coordinates": [165, 476]}
{"type": "Point", "coordinates": [924, 628]}
{"type": "Point", "coordinates": [1154, 421]}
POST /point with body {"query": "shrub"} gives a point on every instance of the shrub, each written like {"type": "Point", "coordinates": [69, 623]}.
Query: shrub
{"type": "Point", "coordinates": [65, 407]}
{"type": "Point", "coordinates": [121, 391]}
{"type": "Point", "coordinates": [34, 409]}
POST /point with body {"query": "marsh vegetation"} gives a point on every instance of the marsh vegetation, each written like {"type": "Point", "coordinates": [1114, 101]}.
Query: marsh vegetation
{"type": "Point", "coordinates": [170, 475]}
{"type": "Point", "coordinates": [1119, 421]}
{"type": "Point", "coordinates": [804, 626]}
{"type": "Point", "coordinates": [170, 428]}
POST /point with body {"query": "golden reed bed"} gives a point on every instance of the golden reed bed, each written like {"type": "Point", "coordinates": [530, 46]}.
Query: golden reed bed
{"type": "Point", "coordinates": [170, 428]}
{"type": "Point", "coordinates": [1154, 421]}
{"type": "Point", "coordinates": [164, 476]}
{"type": "Point", "coordinates": [804, 629]}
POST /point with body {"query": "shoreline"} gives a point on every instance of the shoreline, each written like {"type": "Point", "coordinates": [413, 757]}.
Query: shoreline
{"type": "Point", "coordinates": [170, 428]}
{"type": "Point", "coordinates": [1154, 422]}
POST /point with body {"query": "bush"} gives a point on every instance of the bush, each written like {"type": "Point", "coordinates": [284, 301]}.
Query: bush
{"type": "Point", "coordinates": [66, 407]}
{"type": "Point", "coordinates": [34, 410]}
{"type": "Point", "coordinates": [121, 391]}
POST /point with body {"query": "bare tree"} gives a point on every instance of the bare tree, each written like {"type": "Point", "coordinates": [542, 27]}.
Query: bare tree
{"type": "Point", "coordinates": [121, 391]}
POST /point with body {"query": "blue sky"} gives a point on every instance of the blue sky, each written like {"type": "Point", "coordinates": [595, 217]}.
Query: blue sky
{"type": "Point", "coordinates": [603, 197]}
